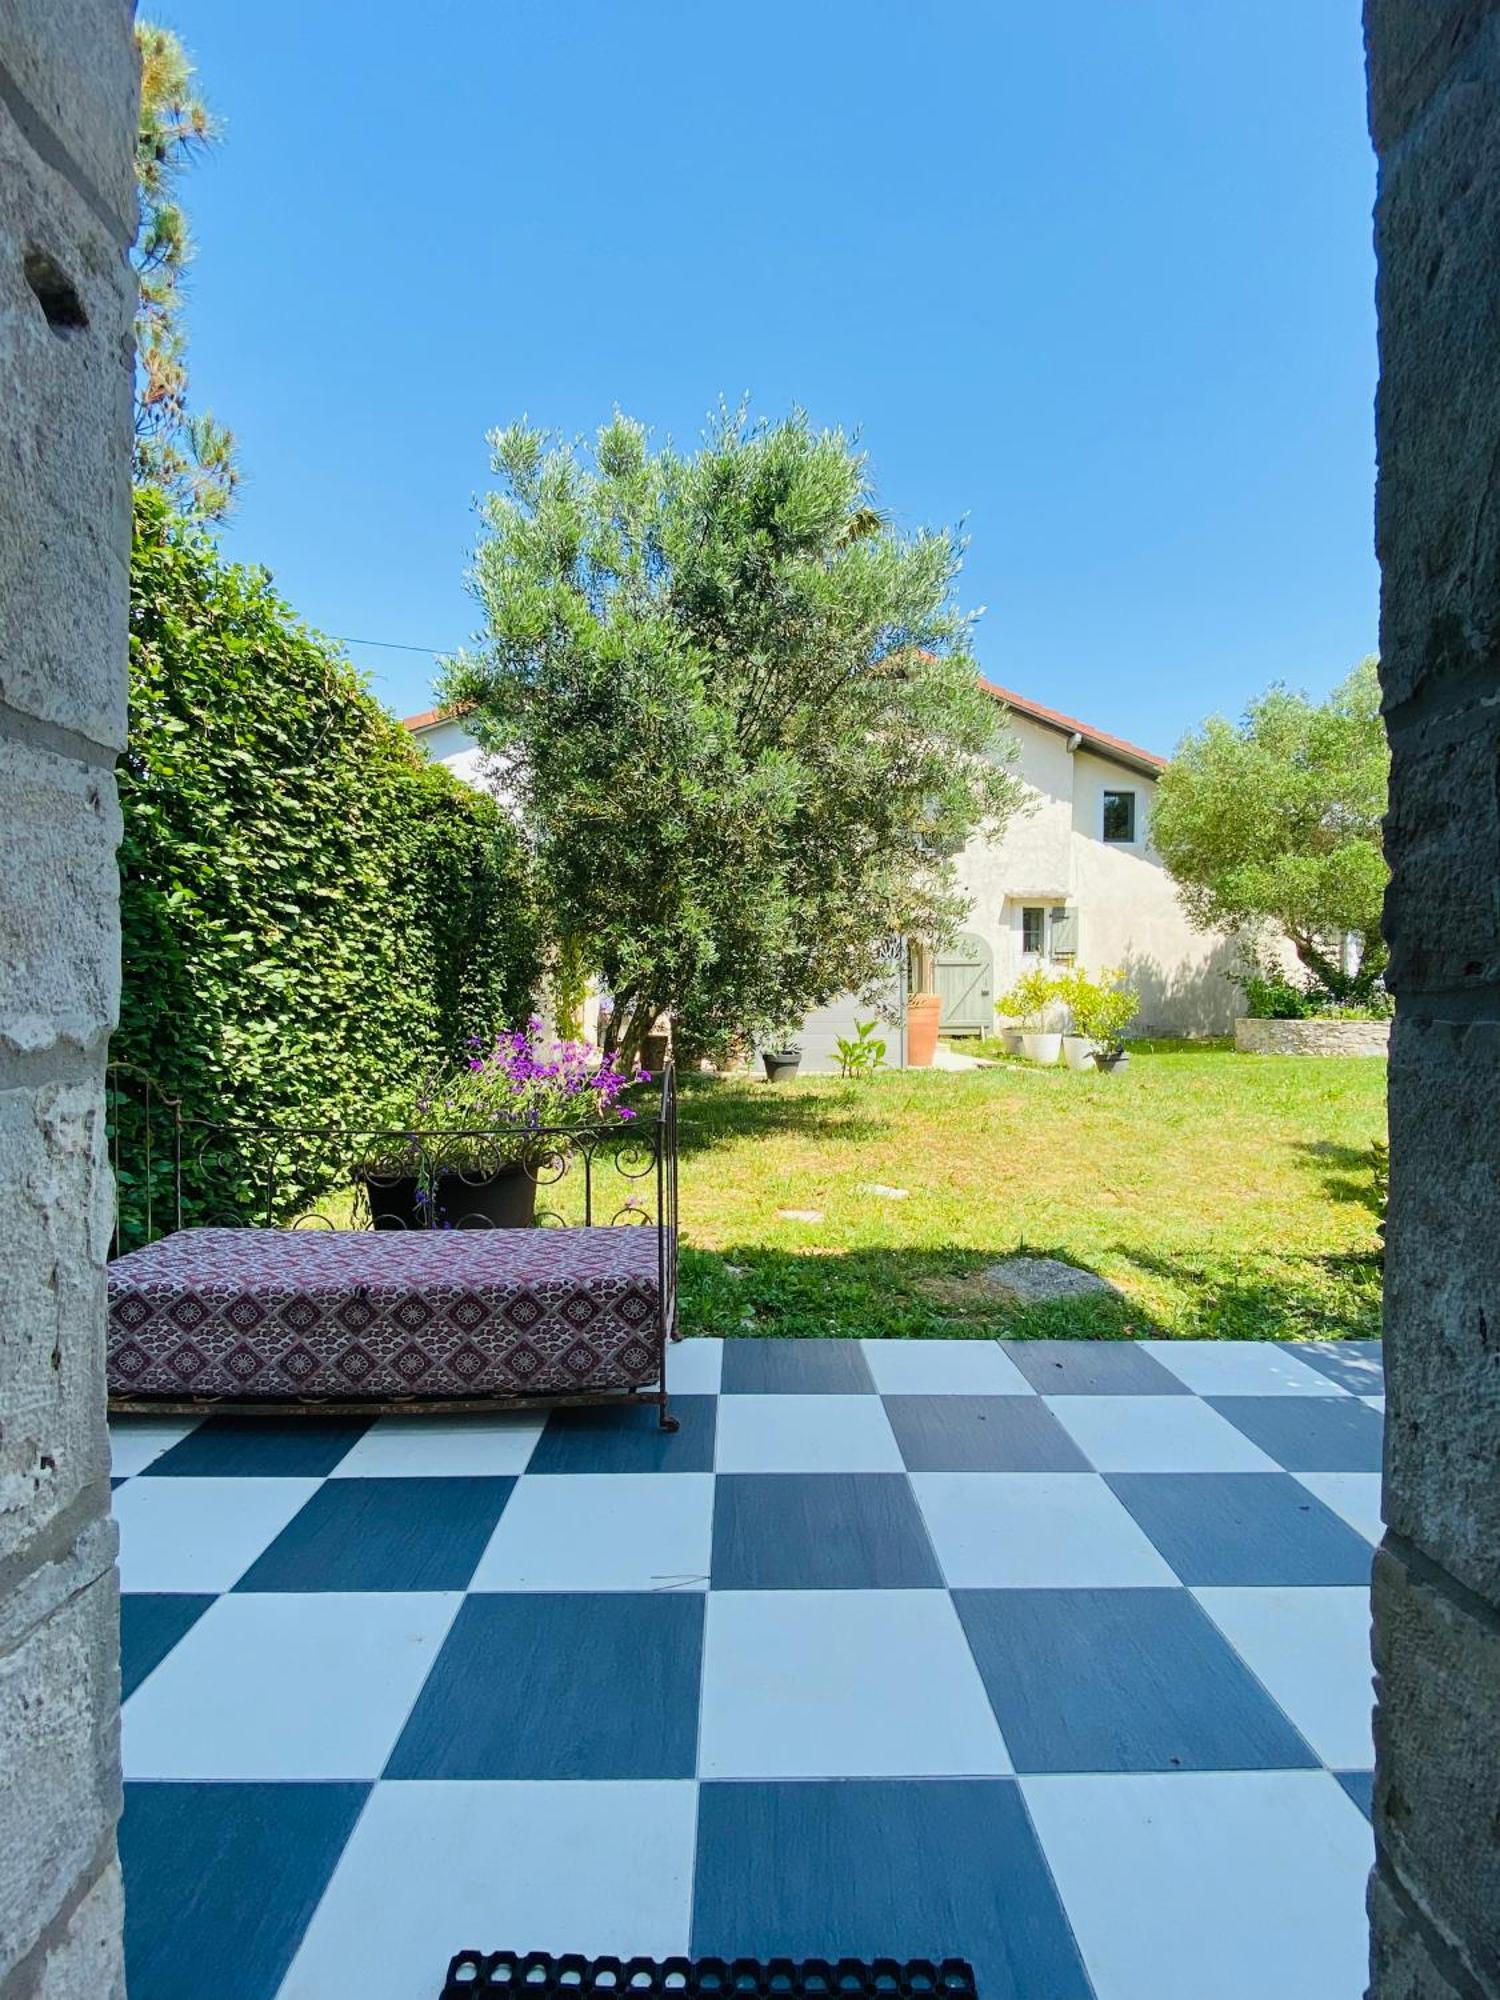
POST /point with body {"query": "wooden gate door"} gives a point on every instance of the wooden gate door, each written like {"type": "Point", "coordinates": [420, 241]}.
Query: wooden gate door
{"type": "Point", "coordinates": [966, 984]}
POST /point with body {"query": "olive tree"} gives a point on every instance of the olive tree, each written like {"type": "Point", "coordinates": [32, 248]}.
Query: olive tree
{"type": "Point", "coordinates": [1277, 821]}
{"type": "Point", "coordinates": [737, 711]}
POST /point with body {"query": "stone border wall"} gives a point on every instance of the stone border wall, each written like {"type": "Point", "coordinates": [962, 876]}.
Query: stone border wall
{"type": "Point", "coordinates": [1311, 1038]}
{"type": "Point", "coordinates": [67, 297]}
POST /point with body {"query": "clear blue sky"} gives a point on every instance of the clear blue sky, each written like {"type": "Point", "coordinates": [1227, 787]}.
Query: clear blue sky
{"type": "Point", "coordinates": [1093, 279]}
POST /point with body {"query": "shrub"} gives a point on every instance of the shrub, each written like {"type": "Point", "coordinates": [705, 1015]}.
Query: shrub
{"type": "Point", "coordinates": [1100, 1008]}
{"type": "Point", "coordinates": [1271, 994]}
{"type": "Point", "coordinates": [313, 916]}
{"type": "Point", "coordinates": [1030, 997]}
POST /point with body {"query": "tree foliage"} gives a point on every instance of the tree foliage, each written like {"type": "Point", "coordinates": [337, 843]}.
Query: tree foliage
{"type": "Point", "coordinates": [312, 914]}
{"type": "Point", "coordinates": [738, 710]}
{"type": "Point", "coordinates": [1278, 821]}
{"type": "Point", "coordinates": [187, 455]}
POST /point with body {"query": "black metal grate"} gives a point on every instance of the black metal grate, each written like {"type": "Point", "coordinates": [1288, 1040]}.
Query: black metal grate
{"type": "Point", "coordinates": [537, 1975]}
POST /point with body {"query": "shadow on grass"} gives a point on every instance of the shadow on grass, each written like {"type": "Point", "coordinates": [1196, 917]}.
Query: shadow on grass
{"type": "Point", "coordinates": [890, 1294]}
{"type": "Point", "coordinates": [1348, 1173]}
{"type": "Point", "coordinates": [714, 1111]}
{"type": "Point", "coordinates": [883, 1294]}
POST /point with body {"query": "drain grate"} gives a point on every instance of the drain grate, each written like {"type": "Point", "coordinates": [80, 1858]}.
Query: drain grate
{"type": "Point", "coordinates": [538, 1975]}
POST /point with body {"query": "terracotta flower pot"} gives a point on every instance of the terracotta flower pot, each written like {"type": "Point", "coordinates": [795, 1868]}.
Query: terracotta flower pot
{"type": "Point", "coordinates": [922, 1013]}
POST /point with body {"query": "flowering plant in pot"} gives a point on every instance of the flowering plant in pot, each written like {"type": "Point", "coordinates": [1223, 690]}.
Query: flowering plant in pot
{"type": "Point", "coordinates": [469, 1145]}
{"type": "Point", "coordinates": [1103, 1009]}
{"type": "Point", "coordinates": [1029, 1001]}
{"type": "Point", "coordinates": [781, 1055]}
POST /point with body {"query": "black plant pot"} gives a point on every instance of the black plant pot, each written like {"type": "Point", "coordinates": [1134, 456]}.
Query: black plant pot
{"type": "Point", "coordinates": [781, 1064]}
{"type": "Point", "coordinates": [1113, 1060]}
{"type": "Point", "coordinates": [506, 1200]}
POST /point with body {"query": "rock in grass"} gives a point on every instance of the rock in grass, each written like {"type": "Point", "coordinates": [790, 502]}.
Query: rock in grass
{"type": "Point", "coordinates": [1031, 1281]}
{"type": "Point", "coordinates": [884, 1193]}
{"type": "Point", "coordinates": [800, 1214]}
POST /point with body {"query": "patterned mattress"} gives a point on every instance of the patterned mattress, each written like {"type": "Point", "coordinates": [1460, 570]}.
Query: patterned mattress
{"type": "Point", "coordinates": [282, 1313]}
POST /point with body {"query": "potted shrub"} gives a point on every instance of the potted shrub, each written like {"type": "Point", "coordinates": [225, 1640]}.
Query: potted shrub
{"type": "Point", "coordinates": [1029, 999]}
{"type": "Point", "coordinates": [1007, 1033]}
{"type": "Point", "coordinates": [1078, 1045]}
{"type": "Point", "coordinates": [1103, 1009]}
{"type": "Point", "coordinates": [782, 1055]}
{"type": "Point", "coordinates": [466, 1151]}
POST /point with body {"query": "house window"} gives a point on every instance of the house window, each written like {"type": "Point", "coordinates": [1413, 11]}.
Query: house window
{"type": "Point", "coordinates": [1034, 931]}
{"type": "Point", "coordinates": [1119, 817]}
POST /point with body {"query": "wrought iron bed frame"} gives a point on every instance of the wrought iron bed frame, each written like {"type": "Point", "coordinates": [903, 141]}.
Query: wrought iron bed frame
{"type": "Point", "coordinates": [150, 1141]}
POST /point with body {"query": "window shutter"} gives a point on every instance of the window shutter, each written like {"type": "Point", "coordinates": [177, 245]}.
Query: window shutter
{"type": "Point", "coordinates": [1065, 933]}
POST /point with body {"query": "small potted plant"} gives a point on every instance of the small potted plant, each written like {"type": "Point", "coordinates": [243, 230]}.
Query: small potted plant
{"type": "Point", "coordinates": [467, 1149]}
{"type": "Point", "coordinates": [781, 1055]}
{"type": "Point", "coordinates": [1103, 1009]}
{"type": "Point", "coordinates": [1076, 990]}
{"type": "Point", "coordinates": [1029, 1000]}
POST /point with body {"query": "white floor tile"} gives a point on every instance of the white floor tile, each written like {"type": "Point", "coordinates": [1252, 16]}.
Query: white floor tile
{"type": "Point", "coordinates": [593, 1868]}
{"type": "Point", "coordinates": [842, 1684]}
{"type": "Point", "coordinates": [1240, 1368]}
{"type": "Point", "coordinates": [1035, 1530]}
{"type": "Point", "coordinates": [1210, 1885]}
{"type": "Point", "coordinates": [694, 1367]}
{"type": "Point", "coordinates": [444, 1447]}
{"type": "Point", "coordinates": [1156, 1434]}
{"type": "Point", "coordinates": [1311, 1650]}
{"type": "Point", "coordinates": [136, 1442]}
{"type": "Point", "coordinates": [805, 1434]}
{"type": "Point", "coordinates": [298, 1685]}
{"type": "Point", "coordinates": [603, 1531]}
{"type": "Point", "coordinates": [1353, 1496]}
{"type": "Point", "coordinates": [200, 1534]}
{"type": "Point", "coordinates": [943, 1368]}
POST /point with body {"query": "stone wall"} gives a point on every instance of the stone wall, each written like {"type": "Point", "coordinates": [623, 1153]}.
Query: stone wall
{"type": "Point", "coordinates": [1435, 116]}
{"type": "Point", "coordinates": [67, 214]}
{"type": "Point", "coordinates": [1311, 1038]}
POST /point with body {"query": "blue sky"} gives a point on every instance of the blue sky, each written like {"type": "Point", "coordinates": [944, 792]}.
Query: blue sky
{"type": "Point", "coordinates": [1093, 280]}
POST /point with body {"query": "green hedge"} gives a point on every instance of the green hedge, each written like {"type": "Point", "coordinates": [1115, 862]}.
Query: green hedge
{"type": "Point", "coordinates": [313, 915]}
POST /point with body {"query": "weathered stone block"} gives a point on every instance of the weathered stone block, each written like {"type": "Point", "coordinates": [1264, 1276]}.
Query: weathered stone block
{"type": "Point", "coordinates": [74, 63]}
{"type": "Point", "coordinates": [59, 1749]}
{"type": "Point", "coordinates": [1311, 1038]}
{"type": "Point", "coordinates": [1406, 1962]}
{"type": "Point", "coordinates": [1442, 839]}
{"type": "Point", "coordinates": [1438, 418]}
{"type": "Point", "coordinates": [1442, 1295]}
{"type": "Point", "coordinates": [86, 1959]}
{"type": "Point", "coordinates": [1437, 1779]}
{"type": "Point", "coordinates": [1413, 45]}
{"type": "Point", "coordinates": [65, 411]}
{"type": "Point", "coordinates": [59, 919]}
{"type": "Point", "coordinates": [55, 1200]}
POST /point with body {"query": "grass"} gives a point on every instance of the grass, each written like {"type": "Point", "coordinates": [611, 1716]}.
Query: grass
{"type": "Point", "coordinates": [1228, 1197]}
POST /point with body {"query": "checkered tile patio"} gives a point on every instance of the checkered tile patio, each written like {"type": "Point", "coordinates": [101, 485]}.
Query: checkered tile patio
{"type": "Point", "coordinates": [1052, 1655]}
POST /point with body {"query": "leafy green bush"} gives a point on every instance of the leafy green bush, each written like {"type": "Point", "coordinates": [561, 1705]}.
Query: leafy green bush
{"type": "Point", "coordinates": [1271, 994]}
{"type": "Point", "coordinates": [312, 915]}
{"type": "Point", "coordinates": [1030, 997]}
{"type": "Point", "coordinates": [863, 1052]}
{"type": "Point", "coordinates": [1101, 1008]}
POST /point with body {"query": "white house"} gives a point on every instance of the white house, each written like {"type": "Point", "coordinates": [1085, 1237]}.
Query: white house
{"type": "Point", "coordinates": [1074, 881]}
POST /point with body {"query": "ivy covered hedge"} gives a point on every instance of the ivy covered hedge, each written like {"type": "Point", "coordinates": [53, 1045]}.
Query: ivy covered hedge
{"type": "Point", "coordinates": [313, 915]}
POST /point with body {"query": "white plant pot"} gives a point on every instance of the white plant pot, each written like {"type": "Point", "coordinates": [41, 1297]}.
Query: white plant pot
{"type": "Point", "coordinates": [1042, 1048]}
{"type": "Point", "coordinates": [1010, 1041]}
{"type": "Point", "coordinates": [1078, 1051]}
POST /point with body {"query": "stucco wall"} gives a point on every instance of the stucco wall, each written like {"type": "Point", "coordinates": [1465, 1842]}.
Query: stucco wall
{"type": "Point", "coordinates": [1129, 913]}
{"type": "Point", "coordinates": [67, 214]}
{"type": "Point", "coordinates": [1435, 114]}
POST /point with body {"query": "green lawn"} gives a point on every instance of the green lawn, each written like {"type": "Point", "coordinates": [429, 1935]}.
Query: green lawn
{"type": "Point", "coordinates": [1227, 1196]}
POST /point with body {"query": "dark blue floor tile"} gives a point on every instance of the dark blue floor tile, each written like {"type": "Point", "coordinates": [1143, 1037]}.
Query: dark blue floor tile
{"type": "Point", "coordinates": [981, 1434]}
{"type": "Point", "coordinates": [627, 1438]}
{"type": "Point", "coordinates": [795, 1368]}
{"type": "Point", "coordinates": [868, 1868]}
{"type": "Point", "coordinates": [1253, 1528]}
{"type": "Point", "coordinates": [260, 1447]}
{"type": "Point", "coordinates": [561, 1686]}
{"type": "Point", "coordinates": [1308, 1433]}
{"type": "Point", "coordinates": [383, 1534]}
{"type": "Point", "coordinates": [1121, 1680]}
{"type": "Point", "coordinates": [820, 1531]}
{"type": "Point", "coordinates": [1360, 1785]}
{"type": "Point", "coordinates": [221, 1880]}
{"type": "Point", "coordinates": [1357, 1365]}
{"type": "Point", "coordinates": [1092, 1368]}
{"type": "Point", "coordinates": [150, 1626]}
